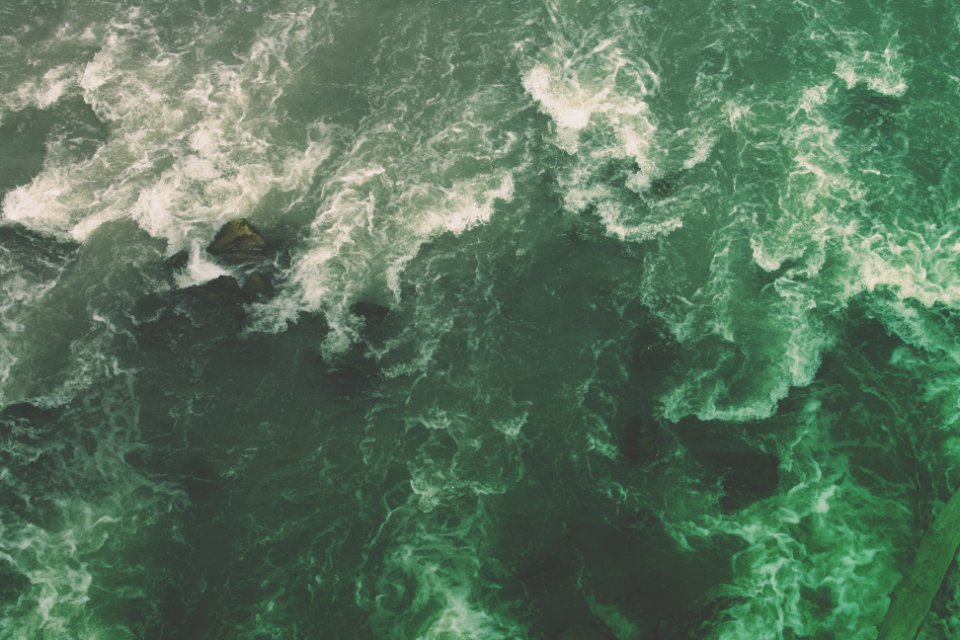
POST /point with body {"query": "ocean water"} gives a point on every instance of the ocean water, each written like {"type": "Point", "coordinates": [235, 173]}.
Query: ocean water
{"type": "Point", "coordinates": [589, 320]}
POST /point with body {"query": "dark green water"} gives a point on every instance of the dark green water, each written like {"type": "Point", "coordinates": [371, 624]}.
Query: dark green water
{"type": "Point", "coordinates": [591, 320]}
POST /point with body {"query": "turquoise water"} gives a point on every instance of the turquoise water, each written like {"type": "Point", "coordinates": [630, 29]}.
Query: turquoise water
{"type": "Point", "coordinates": [589, 319]}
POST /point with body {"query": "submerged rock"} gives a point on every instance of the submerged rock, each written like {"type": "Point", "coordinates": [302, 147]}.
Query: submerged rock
{"type": "Point", "coordinates": [746, 472]}
{"type": "Point", "coordinates": [663, 186]}
{"type": "Point", "coordinates": [34, 253]}
{"type": "Point", "coordinates": [866, 109]}
{"type": "Point", "coordinates": [209, 311]}
{"type": "Point", "coordinates": [222, 290]}
{"type": "Point", "coordinates": [13, 584]}
{"type": "Point", "coordinates": [655, 354]}
{"type": "Point", "coordinates": [238, 241]}
{"type": "Point", "coordinates": [256, 286]}
{"type": "Point", "coordinates": [353, 372]}
{"type": "Point", "coordinates": [374, 316]}
{"type": "Point", "coordinates": [177, 261]}
{"type": "Point", "coordinates": [25, 411]}
{"type": "Point", "coordinates": [642, 440]}
{"type": "Point", "coordinates": [371, 312]}
{"type": "Point", "coordinates": [357, 369]}
{"type": "Point", "coordinates": [747, 476]}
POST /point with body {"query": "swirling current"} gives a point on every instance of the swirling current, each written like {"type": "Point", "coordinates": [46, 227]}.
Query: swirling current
{"type": "Point", "coordinates": [577, 320]}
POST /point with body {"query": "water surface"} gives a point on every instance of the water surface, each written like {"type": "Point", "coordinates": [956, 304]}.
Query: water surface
{"type": "Point", "coordinates": [592, 319]}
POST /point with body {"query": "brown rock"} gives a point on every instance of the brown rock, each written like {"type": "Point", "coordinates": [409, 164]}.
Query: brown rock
{"type": "Point", "coordinates": [238, 241]}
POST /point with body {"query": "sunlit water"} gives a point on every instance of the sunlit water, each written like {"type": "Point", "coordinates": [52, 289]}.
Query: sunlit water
{"type": "Point", "coordinates": [590, 320]}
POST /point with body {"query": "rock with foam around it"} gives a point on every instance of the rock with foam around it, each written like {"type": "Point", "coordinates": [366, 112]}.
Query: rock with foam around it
{"type": "Point", "coordinates": [238, 241]}
{"type": "Point", "coordinates": [203, 314]}
{"type": "Point", "coordinates": [257, 287]}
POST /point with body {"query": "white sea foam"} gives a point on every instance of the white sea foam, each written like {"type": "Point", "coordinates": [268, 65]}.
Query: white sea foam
{"type": "Point", "coordinates": [701, 150]}
{"type": "Point", "coordinates": [19, 293]}
{"type": "Point", "coordinates": [919, 265]}
{"type": "Point", "coordinates": [396, 188]}
{"type": "Point", "coordinates": [576, 98]}
{"type": "Point", "coordinates": [442, 563]}
{"type": "Point", "coordinates": [38, 204]}
{"type": "Point", "coordinates": [188, 146]}
{"type": "Point", "coordinates": [44, 91]}
{"type": "Point", "coordinates": [737, 114]}
{"type": "Point", "coordinates": [597, 100]}
{"type": "Point", "coordinates": [462, 618]}
{"type": "Point", "coordinates": [818, 536]}
{"type": "Point", "coordinates": [190, 142]}
{"type": "Point", "coordinates": [199, 268]}
{"type": "Point", "coordinates": [465, 205]}
{"type": "Point", "coordinates": [814, 216]}
{"type": "Point", "coordinates": [881, 72]}
{"type": "Point", "coordinates": [349, 233]}
{"type": "Point", "coordinates": [58, 555]}
{"type": "Point", "coordinates": [619, 624]}
{"type": "Point", "coordinates": [639, 232]}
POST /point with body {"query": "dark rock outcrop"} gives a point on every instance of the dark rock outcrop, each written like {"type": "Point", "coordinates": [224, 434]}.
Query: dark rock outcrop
{"type": "Point", "coordinates": [238, 241]}
{"type": "Point", "coordinates": [207, 312]}
{"type": "Point", "coordinates": [211, 311]}
{"type": "Point", "coordinates": [256, 287]}
{"type": "Point", "coordinates": [177, 261]}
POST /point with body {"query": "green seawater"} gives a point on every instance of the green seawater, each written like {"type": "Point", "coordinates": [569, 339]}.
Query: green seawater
{"type": "Point", "coordinates": [589, 320]}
